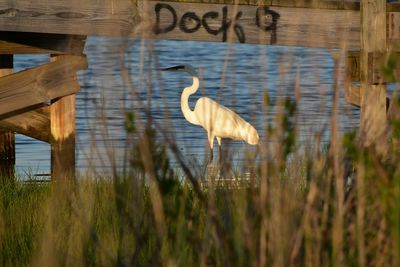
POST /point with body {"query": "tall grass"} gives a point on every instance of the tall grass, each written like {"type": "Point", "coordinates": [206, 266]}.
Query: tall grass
{"type": "Point", "coordinates": [294, 212]}
{"type": "Point", "coordinates": [338, 206]}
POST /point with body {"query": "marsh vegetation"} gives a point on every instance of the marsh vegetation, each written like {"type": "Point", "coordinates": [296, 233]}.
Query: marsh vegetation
{"type": "Point", "coordinates": [330, 203]}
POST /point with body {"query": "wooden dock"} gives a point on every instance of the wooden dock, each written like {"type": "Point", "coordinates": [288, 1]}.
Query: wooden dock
{"type": "Point", "coordinates": [40, 102]}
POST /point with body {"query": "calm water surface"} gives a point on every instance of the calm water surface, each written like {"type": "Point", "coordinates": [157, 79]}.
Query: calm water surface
{"type": "Point", "coordinates": [238, 76]}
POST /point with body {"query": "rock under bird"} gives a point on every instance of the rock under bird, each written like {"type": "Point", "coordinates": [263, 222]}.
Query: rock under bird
{"type": "Point", "coordinates": [218, 120]}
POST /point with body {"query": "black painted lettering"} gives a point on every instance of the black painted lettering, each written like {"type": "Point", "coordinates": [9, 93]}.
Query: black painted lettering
{"type": "Point", "coordinates": [190, 22]}
{"type": "Point", "coordinates": [226, 24]}
{"type": "Point", "coordinates": [187, 19]}
{"type": "Point", "coordinates": [240, 33]}
{"type": "Point", "coordinates": [239, 29]}
{"type": "Point", "coordinates": [158, 7]}
{"type": "Point", "coordinates": [267, 20]}
{"type": "Point", "coordinates": [206, 17]}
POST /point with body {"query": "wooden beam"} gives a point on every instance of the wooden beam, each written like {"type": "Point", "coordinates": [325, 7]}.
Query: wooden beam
{"type": "Point", "coordinates": [41, 43]}
{"type": "Point", "coordinates": [393, 111]}
{"type": "Point", "coordinates": [353, 94]}
{"type": "Point", "coordinates": [393, 30]}
{"type": "Point", "coordinates": [89, 17]}
{"type": "Point", "coordinates": [40, 84]}
{"type": "Point", "coordinates": [376, 63]}
{"type": "Point", "coordinates": [251, 24]}
{"type": "Point", "coordinates": [383, 67]}
{"type": "Point", "coordinates": [295, 26]}
{"type": "Point", "coordinates": [33, 122]}
{"type": "Point", "coordinates": [125, 18]}
{"type": "Point", "coordinates": [352, 72]}
{"type": "Point", "coordinates": [321, 4]}
{"type": "Point", "coordinates": [326, 4]}
{"type": "Point", "coordinates": [393, 7]}
{"type": "Point", "coordinates": [7, 155]}
{"type": "Point", "coordinates": [62, 127]}
{"type": "Point", "coordinates": [373, 125]}
{"type": "Point", "coordinates": [7, 138]}
{"type": "Point", "coordinates": [352, 66]}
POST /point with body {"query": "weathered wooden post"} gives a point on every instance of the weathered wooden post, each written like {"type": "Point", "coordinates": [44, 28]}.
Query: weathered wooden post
{"type": "Point", "coordinates": [62, 128]}
{"type": "Point", "coordinates": [373, 125]}
{"type": "Point", "coordinates": [7, 138]}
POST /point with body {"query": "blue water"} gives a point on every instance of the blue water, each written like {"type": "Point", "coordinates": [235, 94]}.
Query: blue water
{"type": "Point", "coordinates": [237, 76]}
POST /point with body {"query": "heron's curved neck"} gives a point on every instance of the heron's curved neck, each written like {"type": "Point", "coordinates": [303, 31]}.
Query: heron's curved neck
{"type": "Point", "coordinates": [187, 112]}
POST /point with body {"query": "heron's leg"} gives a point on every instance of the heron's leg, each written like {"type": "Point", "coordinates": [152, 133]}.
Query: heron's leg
{"type": "Point", "coordinates": [219, 139]}
{"type": "Point", "coordinates": [219, 148]}
{"type": "Point", "coordinates": [211, 142]}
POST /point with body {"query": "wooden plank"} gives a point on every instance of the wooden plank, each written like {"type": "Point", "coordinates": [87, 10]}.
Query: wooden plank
{"type": "Point", "coordinates": [251, 24]}
{"type": "Point", "coordinates": [352, 72]}
{"type": "Point", "coordinates": [326, 4]}
{"type": "Point", "coordinates": [393, 7]}
{"type": "Point", "coordinates": [41, 43]}
{"type": "Point", "coordinates": [7, 138]}
{"type": "Point", "coordinates": [7, 155]}
{"type": "Point", "coordinates": [40, 84]}
{"type": "Point", "coordinates": [309, 3]}
{"type": "Point", "coordinates": [393, 30]}
{"type": "Point", "coordinates": [376, 62]}
{"type": "Point", "coordinates": [320, 4]}
{"type": "Point", "coordinates": [393, 111]}
{"type": "Point", "coordinates": [351, 4]}
{"type": "Point", "coordinates": [89, 17]}
{"type": "Point", "coordinates": [62, 127]}
{"type": "Point", "coordinates": [373, 126]}
{"type": "Point", "coordinates": [121, 18]}
{"type": "Point", "coordinates": [352, 65]}
{"type": "Point", "coordinates": [353, 95]}
{"type": "Point", "coordinates": [33, 122]}
{"type": "Point", "coordinates": [383, 67]}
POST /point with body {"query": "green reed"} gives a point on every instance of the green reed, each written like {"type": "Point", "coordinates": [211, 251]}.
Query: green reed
{"type": "Point", "coordinates": [287, 215]}
{"type": "Point", "coordinates": [333, 206]}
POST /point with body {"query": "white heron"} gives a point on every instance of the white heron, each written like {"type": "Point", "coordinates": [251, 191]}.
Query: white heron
{"type": "Point", "coordinates": [218, 120]}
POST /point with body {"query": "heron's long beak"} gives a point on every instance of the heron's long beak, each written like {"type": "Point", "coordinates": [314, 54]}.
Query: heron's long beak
{"type": "Point", "coordinates": [175, 68]}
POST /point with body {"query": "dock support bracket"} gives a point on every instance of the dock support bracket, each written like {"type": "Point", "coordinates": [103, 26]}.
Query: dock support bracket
{"type": "Point", "coordinates": [62, 131]}
{"type": "Point", "coordinates": [7, 138]}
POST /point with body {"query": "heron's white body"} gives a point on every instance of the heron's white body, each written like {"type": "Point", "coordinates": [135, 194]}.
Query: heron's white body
{"type": "Point", "coordinates": [217, 120]}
